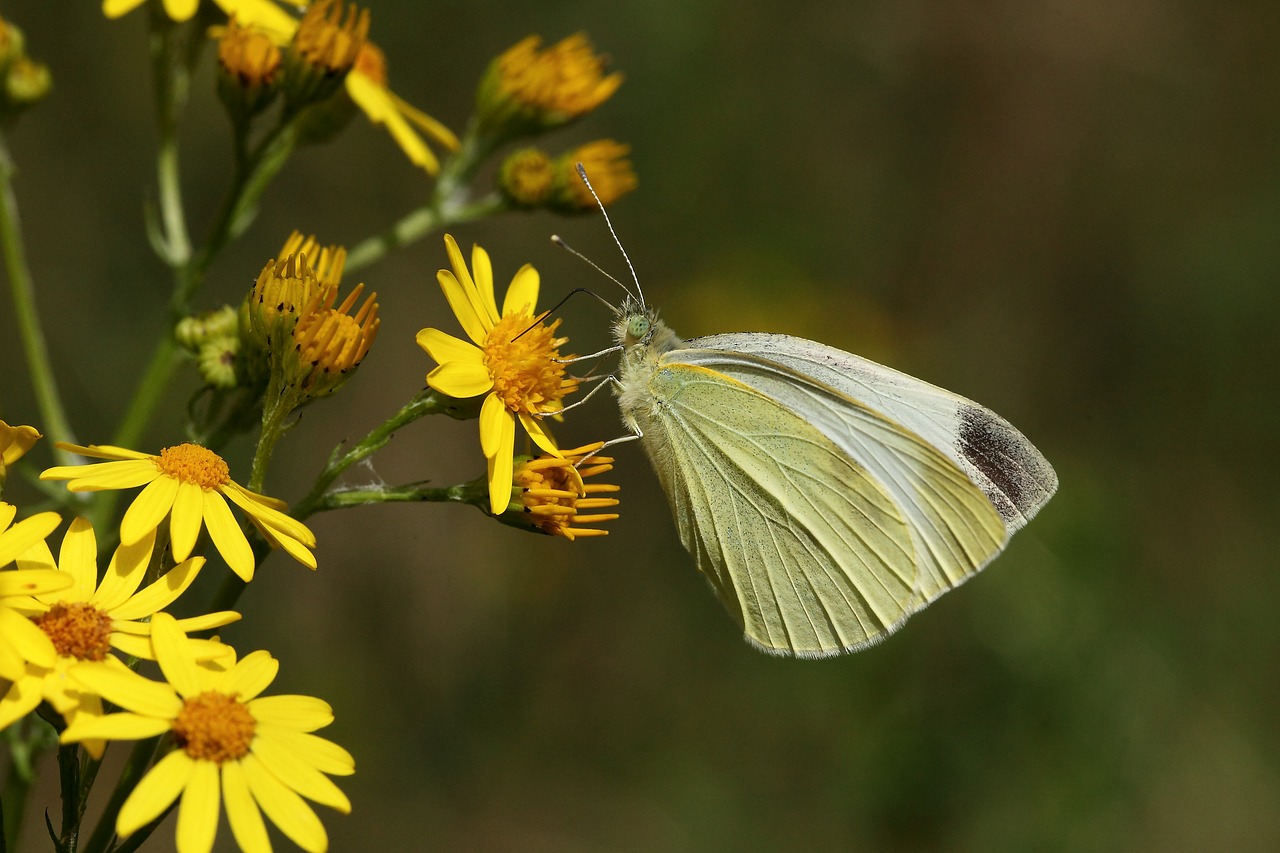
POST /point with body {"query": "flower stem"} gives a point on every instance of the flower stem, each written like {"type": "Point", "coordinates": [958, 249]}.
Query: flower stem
{"type": "Point", "coordinates": [134, 769]}
{"type": "Point", "coordinates": [52, 414]}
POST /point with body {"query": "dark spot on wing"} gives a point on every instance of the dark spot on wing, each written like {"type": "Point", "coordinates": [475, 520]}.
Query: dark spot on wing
{"type": "Point", "coordinates": [1003, 456]}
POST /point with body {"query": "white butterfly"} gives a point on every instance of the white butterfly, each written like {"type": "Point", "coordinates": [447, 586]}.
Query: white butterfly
{"type": "Point", "coordinates": [824, 496]}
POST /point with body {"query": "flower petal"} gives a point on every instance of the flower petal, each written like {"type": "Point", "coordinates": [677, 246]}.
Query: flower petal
{"type": "Point", "coordinates": [29, 642]}
{"type": "Point", "coordinates": [23, 696]}
{"type": "Point", "coordinates": [253, 674]}
{"type": "Point", "coordinates": [461, 379]}
{"type": "Point", "coordinates": [163, 592]}
{"type": "Point", "coordinates": [291, 712]}
{"type": "Point", "coordinates": [226, 535]}
{"type": "Point", "coordinates": [482, 271]}
{"type": "Point", "coordinates": [285, 808]}
{"type": "Point", "coordinates": [242, 812]}
{"type": "Point", "coordinates": [124, 687]}
{"type": "Point", "coordinates": [324, 755]}
{"type": "Point", "coordinates": [160, 787]}
{"type": "Point", "coordinates": [100, 476]}
{"type": "Point", "coordinates": [180, 10]}
{"type": "Point", "coordinates": [148, 509]}
{"type": "Point", "coordinates": [445, 348]}
{"type": "Point", "coordinates": [78, 557]}
{"type": "Point", "coordinates": [124, 574]}
{"type": "Point", "coordinates": [497, 426]}
{"type": "Point", "coordinates": [175, 659]}
{"type": "Point", "coordinates": [198, 811]}
{"type": "Point", "coordinates": [260, 510]}
{"type": "Point", "coordinates": [121, 726]}
{"type": "Point", "coordinates": [378, 106]}
{"type": "Point", "coordinates": [15, 541]}
{"type": "Point", "coordinates": [185, 519]}
{"type": "Point", "coordinates": [534, 426]}
{"type": "Point", "coordinates": [522, 295]}
{"type": "Point", "coordinates": [290, 769]}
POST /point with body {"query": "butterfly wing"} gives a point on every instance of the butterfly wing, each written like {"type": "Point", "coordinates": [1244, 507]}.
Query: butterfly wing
{"type": "Point", "coordinates": [954, 527]}
{"type": "Point", "coordinates": [801, 544]}
{"type": "Point", "coordinates": [1012, 473]}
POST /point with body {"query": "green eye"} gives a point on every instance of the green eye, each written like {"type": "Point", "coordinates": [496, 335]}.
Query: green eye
{"type": "Point", "coordinates": [638, 327]}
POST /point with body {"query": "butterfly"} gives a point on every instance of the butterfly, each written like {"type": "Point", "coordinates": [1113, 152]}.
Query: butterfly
{"type": "Point", "coordinates": [825, 497]}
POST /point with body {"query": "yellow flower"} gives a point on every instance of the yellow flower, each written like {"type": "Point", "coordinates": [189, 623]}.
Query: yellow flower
{"type": "Point", "coordinates": [528, 89]}
{"type": "Point", "coordinates": [87, 620]}
{"type": "Point", "coordinates": [15, 442]}
{"type": "Point", "coordinates": [330, 343]}
{"type": "Point", "coordinates": [607, 167]}
{"type": "Point", "coordinates": [367, 86]}
{"type": "Point", "coordinates": [551, 493]}
{"type": "Point", "coordinates": [190, 485]}
{"type": "Point", "coordinates": [527, 177]}
{"type": "Point", "coordinates": [235, 747]}
{"type": "Point", "coordinates": [20, 641]}
{"type": "Point", "coordinates": [512, 358]}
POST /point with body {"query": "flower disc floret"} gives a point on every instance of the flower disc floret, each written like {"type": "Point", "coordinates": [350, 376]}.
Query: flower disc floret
{"type": "Point", "coordinates": [77, 629]}
{"type": "Point", "coordinates": [214, 727]}
{"type": "Point", "coordinates": [191, 463]}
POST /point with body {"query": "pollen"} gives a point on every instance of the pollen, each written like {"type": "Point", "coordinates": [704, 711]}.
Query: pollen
{"type": "Point", "coordinates": [78, 630]}
{"type": "Point", "coordinates": [191, 463]}
{"type": "Point", "coordinates": [523, 362]}
{"type": "Point", "coordinates": [214, 727]}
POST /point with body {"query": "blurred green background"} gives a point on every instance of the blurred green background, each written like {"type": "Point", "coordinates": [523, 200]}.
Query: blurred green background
{"type": "Point", "coordinates": [1066, 211]}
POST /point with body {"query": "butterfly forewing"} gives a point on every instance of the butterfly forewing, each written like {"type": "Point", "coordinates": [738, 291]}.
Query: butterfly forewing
{"type": "Point", "coordinates": [1012, 473]}
{"type": "Point", "coordinates": [798, 539]}
{"type": "Point", "coordinates": [955, 529]}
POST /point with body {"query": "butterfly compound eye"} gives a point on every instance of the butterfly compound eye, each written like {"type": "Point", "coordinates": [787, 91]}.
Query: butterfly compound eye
{"type": "Point", "coordinates": [638, 327]}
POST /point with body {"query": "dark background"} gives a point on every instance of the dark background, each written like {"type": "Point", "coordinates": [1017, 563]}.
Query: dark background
{"type": "Point", "coordinates": [1067, 211]}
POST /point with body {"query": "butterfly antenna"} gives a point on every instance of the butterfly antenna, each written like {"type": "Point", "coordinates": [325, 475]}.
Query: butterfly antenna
{"type": "Point", "coordinates": [582, 173]}
{"type": "Point", "coordinates": [554, 308]}
{"type": "Point", "coordinates": [555, 238]}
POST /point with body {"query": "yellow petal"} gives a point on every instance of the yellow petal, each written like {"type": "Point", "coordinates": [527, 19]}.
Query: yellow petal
{"type": "Point", "coordinates": [226, 535]}
{"type": "Point", "coordinates": [379, 108]}
{"type": "Point", "coordinates": [22, 697]}
{"type": "Point", "coordinates": [15, 541]}
{"type": "Point", "coordinates": [242, 812]}
{"type": "Point", "coordinates": [538, 432]}
{"type": "Point", "coordinates": [482, 270]}
{"type": "Point", "coordinates": [124, 574]}
{"type": "Point", "coordinates": [497, 427]}
{"type": "Point", "coordinates": [253, 674]}
{"type": "Point", "coordinates": [198, 811]}
{"type": "Point", "coordinates": [460, 379]}
{"type": "Point", "coordinates": [116, 8]}
{"type": "Point", "coordinates": [285, 808]}
{"type": "Point", "coordinates": [126, 688]}
{"type": "Point", "coordinates": [78, 557]}
{"type": "Point", "coordinates": [446, 349]}
{"type": "Point", "coordinates": [160, 787]}
{"type": "Point", "coordinates": [429, 126]}
{"type": "Point", "coordinates": [99, 476]}
{"type": "Point", "coordinates": [121, 726]}
{"type": "Point", "coordinates": [186, 519]}
{"type": "Point", "coordinates": [176, 661]}
{"type": "Point", "coordinates": [324, 755]}
{"type": "Point", "coordinates": [295, 773]}
{"type": "Point", "coordinates": [26, 640]}
{"type": "Point", "coordinates": [32, 582]}
{"type": "Point", "coordinates": [163, 592]}
{"type": "Point", "coordinates": [148, 509]}
{"type": "Point", "coordinates": [522, 295]}
{"type": "Point", "coordinates": [260, 510]}
{"type": "Point", "coordinates": [294, 713]}
{"type": "Point", "coordinates": [180, 10]}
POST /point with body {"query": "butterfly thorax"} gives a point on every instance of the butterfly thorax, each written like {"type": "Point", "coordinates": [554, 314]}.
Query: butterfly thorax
{"type": "Point", "coordinates": [644, 339]}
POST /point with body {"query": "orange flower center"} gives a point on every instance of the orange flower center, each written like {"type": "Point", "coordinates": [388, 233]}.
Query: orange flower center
{"type": "Point", "coordinates": [214, 727]}
{"type": "Point", "coordinates": [191, 463]}
{"type": "Point", "coordinates": [78, 630]}
{"type": "Point", "coordinates": [526, 375]}
{"type": "Point", "coordinates": [566, 78]}
{"type": "Point", "coordinates": [328, 40]}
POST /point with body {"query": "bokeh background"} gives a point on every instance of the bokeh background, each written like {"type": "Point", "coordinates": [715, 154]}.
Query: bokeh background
{"type": "Point", "coordinates": [1067, 211]}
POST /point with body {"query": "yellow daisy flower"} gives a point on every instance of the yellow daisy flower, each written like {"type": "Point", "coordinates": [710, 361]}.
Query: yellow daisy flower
{"type": "Point", "coordinates": [367, 86]}
{"type": "Point", "coordinates": [512, 358]}
{"type": "Point", "coordinates": [190, 485]}
{"type": "Point", "coordinates": [552, 493]}
{"type": "Point", "coordinates": [88, 619]}
{"type": "Point", "coordinates": [252, 753]}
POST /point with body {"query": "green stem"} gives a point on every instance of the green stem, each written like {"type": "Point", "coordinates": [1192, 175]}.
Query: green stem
{"type": "Point", "coordinates": [52, 414]}
{"type": "Point", "coordinates": [134, 769]}
{"type": "Point", "coordinates": [450, 204]}
{"type": "Point", "coordinates": [69, 773]}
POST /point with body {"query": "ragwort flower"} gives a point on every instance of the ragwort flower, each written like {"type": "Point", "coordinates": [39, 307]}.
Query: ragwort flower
{"type": "Point", "coordinates": [87, 620]}
{"type": "Point", "coordinates": [550, 492]}
{"type": "Point", "coordinates": [190, 485]}
{"type": "Point", "coordinates": [20, 641]}
{"type": "Point", "coordinates": [513, 358]}
{"type": "Point", "coordinates": [233, 746]}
